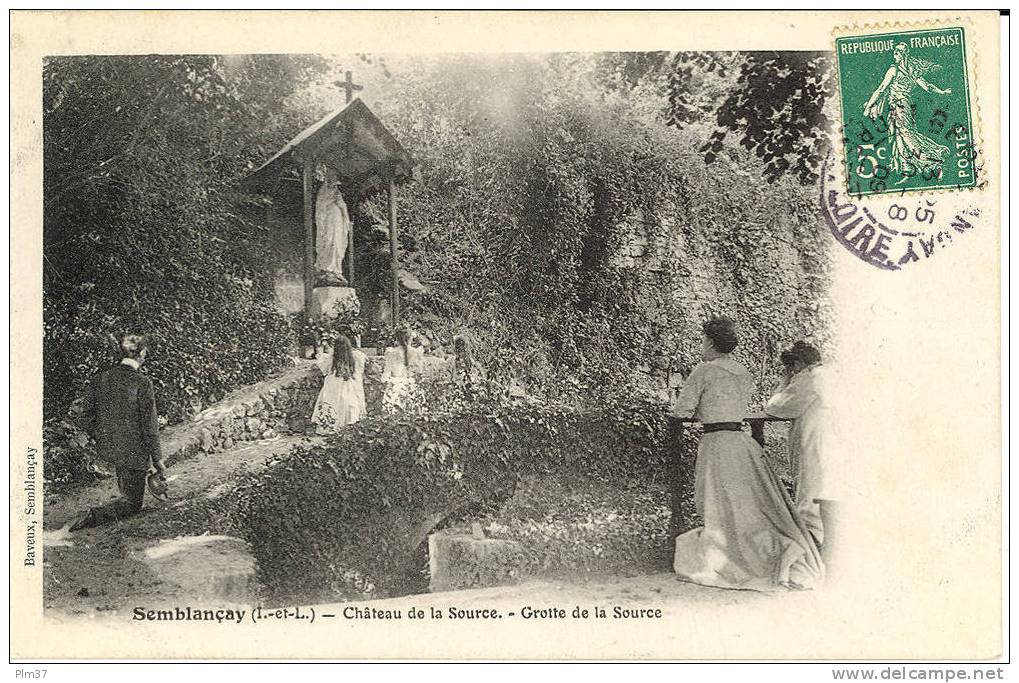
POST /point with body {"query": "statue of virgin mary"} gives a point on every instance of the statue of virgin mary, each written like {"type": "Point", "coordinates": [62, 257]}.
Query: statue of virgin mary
{"type": "Point", "coordinates": [332, 230]}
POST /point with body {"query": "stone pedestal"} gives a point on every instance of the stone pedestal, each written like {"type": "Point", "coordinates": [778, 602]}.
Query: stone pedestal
{"type": "Point", "coordinates": [458, 561]}
{"type": "Point", "coordinates": [330, 303]}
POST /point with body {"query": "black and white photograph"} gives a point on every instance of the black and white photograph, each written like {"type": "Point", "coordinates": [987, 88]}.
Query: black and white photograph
{"type": "Point", "coordinates": [500, 353]}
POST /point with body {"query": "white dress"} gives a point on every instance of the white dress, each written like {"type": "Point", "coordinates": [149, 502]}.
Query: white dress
{"type": "Point", "coordinates": [804, 400]}
{"type": "Point", "coordinates": [340, 401]}
{"type": "Point", "coordinates": [752, 536]}
{"type": "Point", "coordinates": [400, 390]}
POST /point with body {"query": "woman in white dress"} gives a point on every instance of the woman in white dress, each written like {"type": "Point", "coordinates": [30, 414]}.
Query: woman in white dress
{"type": "Point", "coordinates": [341, 399]}
{"type": "Point", "coordinates": [399, 387]}
{"type": "Point", "coordinates": [752, 537]}
{"type": "Point", "coordinates": [803, 398]}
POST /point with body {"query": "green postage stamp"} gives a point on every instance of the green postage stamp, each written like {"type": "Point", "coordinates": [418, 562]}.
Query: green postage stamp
{"type": "Point", "coordinates": [906, 111]}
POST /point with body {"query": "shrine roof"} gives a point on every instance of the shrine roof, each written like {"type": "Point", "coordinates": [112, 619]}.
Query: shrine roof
{"type": "Point", "coordinates": [350, 139]}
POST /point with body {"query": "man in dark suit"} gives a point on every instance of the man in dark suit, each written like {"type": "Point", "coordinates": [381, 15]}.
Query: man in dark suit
{"type": "Point", "coordinates": [120, 414]}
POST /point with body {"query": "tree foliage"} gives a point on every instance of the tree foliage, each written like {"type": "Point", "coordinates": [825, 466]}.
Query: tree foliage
{"type": "Point", "coordinates": [777, 109]}
{"type": "Point", "coordinates": [770, 103]}
{"type": "Point", "coordinates": [144, 228]}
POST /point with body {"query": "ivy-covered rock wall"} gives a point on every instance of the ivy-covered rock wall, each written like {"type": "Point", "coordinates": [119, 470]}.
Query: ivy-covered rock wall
{"type": "Point", "coordinates": [581, 239]}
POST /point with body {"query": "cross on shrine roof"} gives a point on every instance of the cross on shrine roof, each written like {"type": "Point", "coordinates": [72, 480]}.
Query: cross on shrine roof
{"type": "Point", "coordinates": [351, 139]}
{"type": "Point", "coordinates": [348, 86]}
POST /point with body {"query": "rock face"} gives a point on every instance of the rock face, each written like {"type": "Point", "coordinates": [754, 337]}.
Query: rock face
{"type": "Point", "coordinates": [458, 561]}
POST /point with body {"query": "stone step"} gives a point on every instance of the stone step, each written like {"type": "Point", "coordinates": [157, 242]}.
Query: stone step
{"type": "Point", "coordinates": [219, 568]}
{"type": "Point", "coordinates": [459, 561]}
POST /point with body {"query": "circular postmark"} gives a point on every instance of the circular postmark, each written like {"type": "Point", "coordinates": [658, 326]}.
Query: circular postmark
{"type": "Point", "coordinates": [892, 232]}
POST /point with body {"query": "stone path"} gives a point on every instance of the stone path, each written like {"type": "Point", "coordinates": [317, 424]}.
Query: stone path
{"type": "Point", "coordinates": [112, 568]}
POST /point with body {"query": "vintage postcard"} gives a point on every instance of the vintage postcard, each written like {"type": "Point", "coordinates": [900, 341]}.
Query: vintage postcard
{"type": "Point", "coordinates": [506, 335]}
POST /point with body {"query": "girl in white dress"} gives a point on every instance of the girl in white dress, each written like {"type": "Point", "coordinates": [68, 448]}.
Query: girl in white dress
{"type": "Point", "coordinates": [341, 399]}
{"type": "Point", "coordinates": [400, 389]}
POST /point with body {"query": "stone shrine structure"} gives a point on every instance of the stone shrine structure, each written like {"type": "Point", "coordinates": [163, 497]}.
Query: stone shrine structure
{"type": "Point", "coordinates": [341, 159]}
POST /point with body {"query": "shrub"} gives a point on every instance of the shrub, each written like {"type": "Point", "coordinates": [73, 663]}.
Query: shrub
{"type": "Point", "coordinates": [68, 456]}
{"type": "Point", "coordinates": [347, 519]}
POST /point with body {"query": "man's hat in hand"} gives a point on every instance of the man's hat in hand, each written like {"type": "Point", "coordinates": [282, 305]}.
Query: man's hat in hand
{"type": "Point", "coordinates": [157, 486]}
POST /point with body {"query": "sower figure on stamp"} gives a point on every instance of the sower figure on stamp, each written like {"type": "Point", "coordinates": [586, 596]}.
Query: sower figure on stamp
{"type": "Point", "coordinates": [120, 414]}
{"type": "Point", "coordinates": [912, 152]}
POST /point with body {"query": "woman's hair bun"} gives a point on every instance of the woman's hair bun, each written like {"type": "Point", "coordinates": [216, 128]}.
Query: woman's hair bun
{"type": "Point", "coordinates": [722, 333]}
